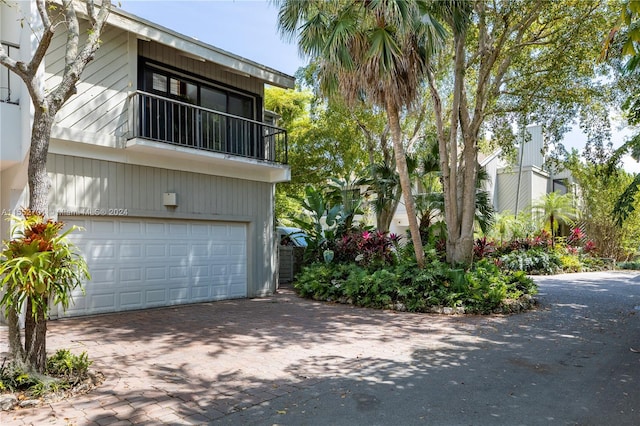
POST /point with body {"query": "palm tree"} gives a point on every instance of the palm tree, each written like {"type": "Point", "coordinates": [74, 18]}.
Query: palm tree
{"type": "Point", "coordinates": [384, 183]}
{"type": "Point", "coordinates": [556, 208]}
{"type": "Point", "coordinates": [376, 50]}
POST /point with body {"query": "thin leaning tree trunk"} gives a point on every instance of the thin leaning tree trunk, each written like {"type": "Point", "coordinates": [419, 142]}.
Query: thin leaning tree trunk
{"type": "Point", "coordinates": [403, 172]}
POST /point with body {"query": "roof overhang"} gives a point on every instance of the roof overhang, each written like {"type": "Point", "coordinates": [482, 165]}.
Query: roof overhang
{"type": "Point", "coordinates": [193, 48]}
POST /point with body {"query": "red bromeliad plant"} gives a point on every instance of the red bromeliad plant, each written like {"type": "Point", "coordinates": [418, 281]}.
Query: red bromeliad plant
{"type": "Point", "coordinates": [590, 248]}
{"type": "Point", "coordinates": [366, 247]}
{"type": "Point", "coordinates": [483, 247]}
{"type": "Point", "coordinates": [38, 265]}
{"type": "Point", "coordinates": [576, 237]}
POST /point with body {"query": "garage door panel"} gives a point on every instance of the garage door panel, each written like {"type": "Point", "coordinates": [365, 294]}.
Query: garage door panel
{"type": "Point", "coordinates": [156, 297]}
{"type": "Point", "coordinates": [103, 226]}
{"type": "Point", "coordinates": [178, 272]}
{"type": "Point", "coordinates": [178, 229]}
{"type": "Point", "coordinates": [102, 275]}
{"type": "Point", "coordinates": [201, 250]}
{"type": "Point", "coordinates": [237, 250]}
{"type": "Point", "coordinates": [130, 275]}
{"type": "Point", "coordinates": [97, 251]}
{"type": "Point", "coordinates": [131, 300]}
{"type": "Point", "coordinates": [219, 231]}
{"type": "Point", "coordinates": [178, 249]}
{"type": "Point", "coordinates": [178, 295]}
{"type": "Point", "coordinates": [141, 263]}
{"type": "Point", "coordinates": [198, 230]}
{"type": "Point", "coordinates": [156, 273]}
{"type": "Point", "coordinates": [200, 271]}
{"type": "Point", "coordinates": [155, 250]}
{"type": "Point", "coordinates": [100, 303]}
{"type": "Point", "coordinates": [200, 293]}
{"type": "Point", "coordinates": [133, 228]}
{"type": "Point", "coordinates": [219, 250]}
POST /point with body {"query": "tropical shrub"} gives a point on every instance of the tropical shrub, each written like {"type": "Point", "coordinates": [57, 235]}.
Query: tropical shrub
{"type": "Point", "coordinates": [404, 286]}
{"type": "Point", "coordinates": [630, 265]}
{"type": "Point", "coordinates": [37, 266]}
{"type": "Point", "coordinates": [39, 263]}
{"type": "Point", "coordinates": [571, 263]}
{"type": "Point", "coordinates": [533, 261]}
{"type": "Point", "coordinates": [366, 247]}
{"type": "Point", "coordinates": [64, 364]}
{"type": "Point", "coordinates": [483, 247]}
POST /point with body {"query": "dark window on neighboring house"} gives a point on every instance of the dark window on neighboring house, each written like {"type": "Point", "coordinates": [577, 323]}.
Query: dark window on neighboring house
{"type": "Point", "coordinates": [178, 123]}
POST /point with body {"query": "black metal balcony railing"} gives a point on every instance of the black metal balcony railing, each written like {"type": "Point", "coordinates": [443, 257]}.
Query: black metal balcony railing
{"type": "Point", "coordinates": [179, 123]}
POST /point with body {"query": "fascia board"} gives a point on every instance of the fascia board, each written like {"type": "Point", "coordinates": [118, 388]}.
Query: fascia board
{"type": "Point", "coordinates": [148, 30]}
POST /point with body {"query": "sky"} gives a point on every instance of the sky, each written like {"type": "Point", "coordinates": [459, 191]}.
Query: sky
{"type": "Point", "coordinates": [244, 27]}
{"type": "Point", "coordinates": [248, 28]}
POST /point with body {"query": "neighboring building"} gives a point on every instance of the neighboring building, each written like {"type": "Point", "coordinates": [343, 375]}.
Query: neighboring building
{"type": "Point", "coordinates": [165, 156]}
{"type": "Point", "coordinates": [514, 187]}
{"type": "Point", "coordinates": [508, 182]}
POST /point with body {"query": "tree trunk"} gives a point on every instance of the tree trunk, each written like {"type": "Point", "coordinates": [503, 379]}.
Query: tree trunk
{"type": "Point", "coordinates": [35, 338]}
{"type": "Point", "coordinates": [15, 337]}
{"type": "Point", "coordinates": [39, 184]}
{"type": "Point", "coordinates": [461, 250]}
{"type": "Point", "coordinates": [401, 164]}
{"type": "Point", "coordinates": [384, 218]}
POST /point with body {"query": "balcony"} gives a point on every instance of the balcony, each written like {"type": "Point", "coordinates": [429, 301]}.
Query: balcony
{"type": "Point", "coordinates": [169, 121]}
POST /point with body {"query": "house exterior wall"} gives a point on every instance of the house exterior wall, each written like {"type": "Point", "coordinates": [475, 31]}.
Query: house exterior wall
{"type": "Point", "coordinates": [90, 162]}
{"type": "Point", "coordinates": [97, 114]}
{"type": "Point", "coordinates": [539, 181]}
{"type": "Point", "coordinates": [533, 148]}
{"type": "Point", "coordinates": [84, 185]}
{"type": "Point", "coordinates": [491, 166]}
{"type": "Point", "coordinates": [507, 183]}
{"type": "Point", "coordinates": [400, 222]}
{"type": "Point", "coordinates": [533, 185]}
{"type": "Point", "coordinates": [98, 110]}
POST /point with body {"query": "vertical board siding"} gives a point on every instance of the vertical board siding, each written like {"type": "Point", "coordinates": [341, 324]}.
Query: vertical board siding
{"type": "Point", "coordinates": [81, 184]}
{"type": "Point", "coordinates": [533, 149]}
{"type": "Point", "coordinates": [208, 70]}
{"type": "Point", "coordinates": [100, 103]}
{"type": "Point", "coordinates": [507, 188]}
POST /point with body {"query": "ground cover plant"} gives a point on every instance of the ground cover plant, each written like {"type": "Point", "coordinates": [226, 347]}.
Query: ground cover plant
{"type": "Point", "coordinates": [401, 285]}
{"type": "Point", "coordinates": [66, 374]}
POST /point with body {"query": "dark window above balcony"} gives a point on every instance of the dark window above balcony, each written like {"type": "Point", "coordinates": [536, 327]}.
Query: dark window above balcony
{"type": "Point", "coordinates": [160, 81]}
{"type": "Point", "coordinates": [173, 108]}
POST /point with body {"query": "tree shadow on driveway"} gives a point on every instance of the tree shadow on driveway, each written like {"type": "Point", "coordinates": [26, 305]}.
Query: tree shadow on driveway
{"type": "Point", "coordinates": [291, 361]}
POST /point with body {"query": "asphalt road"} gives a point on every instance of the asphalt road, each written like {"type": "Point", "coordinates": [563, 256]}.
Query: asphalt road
{"type": "Point", "coordinates": [569, 362]}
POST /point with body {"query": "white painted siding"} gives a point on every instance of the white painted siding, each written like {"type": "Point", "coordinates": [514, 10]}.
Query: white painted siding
{"type": "Point", "coordinates": [532, 186]}
{"type": "Point", "coordinates": [539, 180]}
{"type": "Point", "coordinates": [533, 148]}
{"type": "Point", "coordinates": [100, 103]}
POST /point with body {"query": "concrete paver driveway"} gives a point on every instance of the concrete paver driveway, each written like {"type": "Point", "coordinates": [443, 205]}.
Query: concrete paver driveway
{"type": "Point", "coordinates": [284, 360]}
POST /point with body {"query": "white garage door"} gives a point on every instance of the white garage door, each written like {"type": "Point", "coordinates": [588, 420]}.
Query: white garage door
{"type": "Point", "coordinates": [138, 263]}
